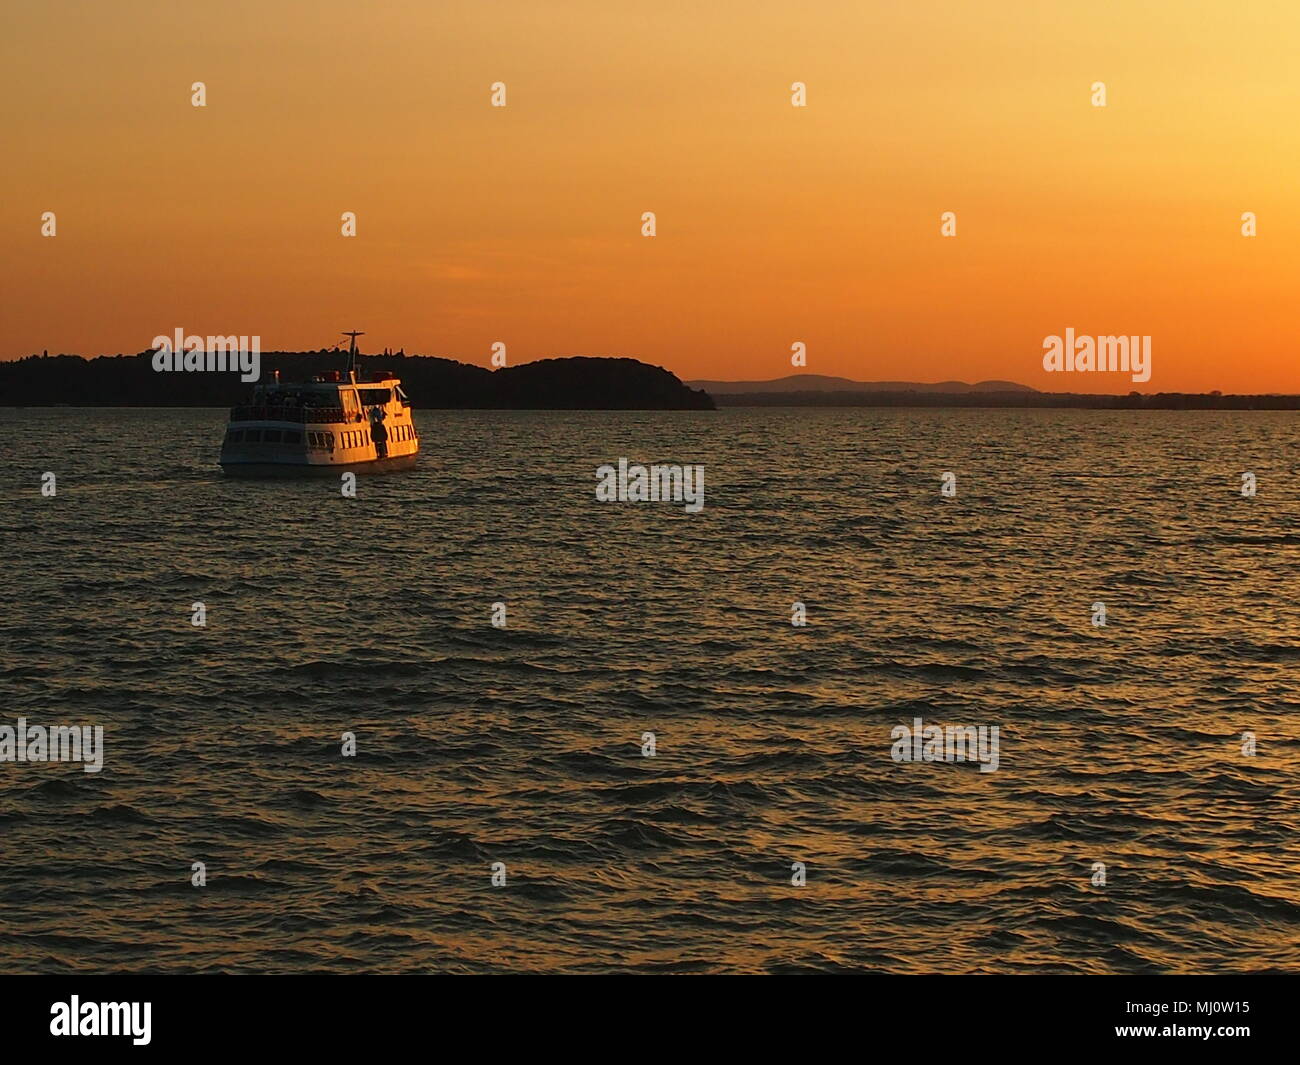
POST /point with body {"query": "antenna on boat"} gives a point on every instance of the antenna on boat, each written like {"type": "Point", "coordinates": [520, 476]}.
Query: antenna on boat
{"type": "Point", "coordinates": [352, 353]}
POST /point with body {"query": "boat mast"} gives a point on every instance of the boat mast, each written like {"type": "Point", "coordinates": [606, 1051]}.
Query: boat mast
{"type": "Point", "coordinates": [352, 355]}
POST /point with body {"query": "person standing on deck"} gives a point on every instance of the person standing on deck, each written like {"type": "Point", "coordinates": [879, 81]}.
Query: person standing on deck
{"type": "Point", "coordinates": [379, 432]}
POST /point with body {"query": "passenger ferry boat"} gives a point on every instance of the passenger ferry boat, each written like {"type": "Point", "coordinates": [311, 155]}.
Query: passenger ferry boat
{"type": "Point", "coordinates": [330, 424]}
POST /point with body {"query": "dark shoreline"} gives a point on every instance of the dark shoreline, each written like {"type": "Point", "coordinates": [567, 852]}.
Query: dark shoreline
{"type": "Point", "coordinates": [1259, 404]}
{"type": "Point", "coordinates": [574, 383]}
{"type": "Point", "coordinates": [577, 383]}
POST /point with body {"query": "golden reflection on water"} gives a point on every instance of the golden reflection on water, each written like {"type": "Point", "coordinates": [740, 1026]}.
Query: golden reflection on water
{"type": "Point", "coordinates": [523, 745]}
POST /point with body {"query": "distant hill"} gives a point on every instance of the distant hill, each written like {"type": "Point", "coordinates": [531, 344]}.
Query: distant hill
{"type": "Point", "coordinates": [1026, 399]}
{"type": "Point", "coordinates": [432, 383]}
{"type": "Point", "coordinates": [813, 382]}
{"type": "Point", "coordinates": [818, 390]}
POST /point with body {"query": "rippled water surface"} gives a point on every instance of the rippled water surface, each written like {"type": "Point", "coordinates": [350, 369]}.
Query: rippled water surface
{"type": "Point", "coordinates": [522, 745]}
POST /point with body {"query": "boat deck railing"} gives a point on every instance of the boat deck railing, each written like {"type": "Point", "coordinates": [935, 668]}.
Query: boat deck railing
{"type": "Point", "coordinates": [301, 415]}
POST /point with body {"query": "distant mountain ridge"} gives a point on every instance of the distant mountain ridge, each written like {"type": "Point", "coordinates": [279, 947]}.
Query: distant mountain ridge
{"type": "Point", "coordinates": [812, 382]}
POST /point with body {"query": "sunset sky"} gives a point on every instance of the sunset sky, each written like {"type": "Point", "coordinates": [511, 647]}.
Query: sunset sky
{"type": "Point", "coordinates": [776, 224]}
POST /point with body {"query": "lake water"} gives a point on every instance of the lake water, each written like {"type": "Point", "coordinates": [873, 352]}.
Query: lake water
{"type": "Point", "coordinates": [1119, 744]}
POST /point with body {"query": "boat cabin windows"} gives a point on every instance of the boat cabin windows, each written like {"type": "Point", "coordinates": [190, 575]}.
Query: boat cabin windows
{"type": "Point", "coordinates": [320, 441]}
{"type": "Point", "coordinates": [348, 400]}
{"type": "Point", "coordinates": [274, 436]}
{"type": "Point", "coordinates": [355, 438]}
{"type": "Point", "coordinates": [375, 397]}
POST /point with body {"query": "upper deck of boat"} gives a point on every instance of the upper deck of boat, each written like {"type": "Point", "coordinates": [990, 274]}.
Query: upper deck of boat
{"type": "Point", "coordinates": [326, 398]}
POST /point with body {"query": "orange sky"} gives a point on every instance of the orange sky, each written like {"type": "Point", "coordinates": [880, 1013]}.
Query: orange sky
{"type": "Point", "coordinates": [775, 224]}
